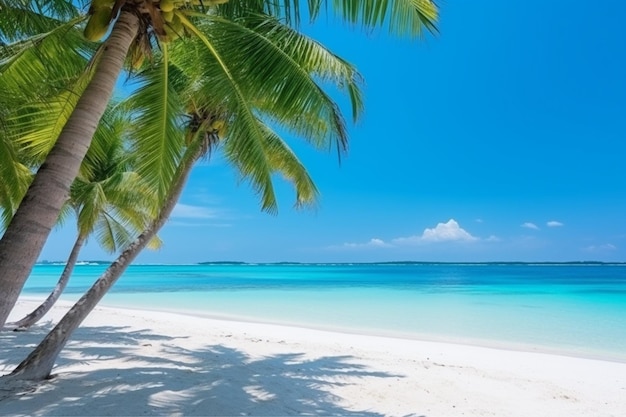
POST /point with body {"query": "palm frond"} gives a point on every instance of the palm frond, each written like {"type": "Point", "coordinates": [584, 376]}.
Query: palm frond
{"type": "Point", "coordinates": [284, 161]}
{"type": "Point", "coordinates": [20, 18]}
{"type": "Point", "coordinates": [90, 200]}
{"type": "Point", "coordinates": [16, 178]}
{"type": "Point", "coordinates": [310, 56]}
{"type": "Point", "coordinates": [41, 65]}
{"type": "Point", "coordinates": [401, 17]}
{"type": "Point", "coordinates": [35, 127]}
{"type": "Point", "coordinates": [218, 76]}
{"type": "Point", "coordinates": [157, 125]}
{"type": "Point", "coordinates": [282, 78]}
{"type": "Point", "coordinates": [107, 154]}
{"type": "Point", "coordinates": [67, 212]}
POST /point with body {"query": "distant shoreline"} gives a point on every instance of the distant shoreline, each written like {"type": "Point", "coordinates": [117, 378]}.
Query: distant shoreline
{"type": "Point", "coordinates": [288, 263]}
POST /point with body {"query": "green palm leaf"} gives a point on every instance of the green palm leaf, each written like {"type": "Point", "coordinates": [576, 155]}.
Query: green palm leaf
{"type": "Point", "coordinates": [285, 162]}
{"type": "Point", "coordinates": [21, 19]}
{"type": "Point", "coordinates": [310, 57]}
{"type": "Point", "coordinates": [34, 127]}
{"type": "Point", "coordinates": [402, 17]}
{"type": "Point", "coordinates": [15, 180]}
{"type": "Point", "coordinates": [158, 133]}
{"type": "Point", "coordinates": [43, 64]}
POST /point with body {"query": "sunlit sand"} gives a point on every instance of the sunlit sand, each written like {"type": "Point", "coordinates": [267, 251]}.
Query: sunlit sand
{"type": "Point", "coordinates": [133, 362]}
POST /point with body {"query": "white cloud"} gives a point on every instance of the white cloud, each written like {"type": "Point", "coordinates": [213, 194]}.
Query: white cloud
{"type": "Point", "coordinates": [443, 232]}
{"type": "Point", "coordinates": [193, 212]}
{"type": "Point", "coordinates": [554, 223]}
{"type": "Point", "coordinates": [372, 243]}
{"type": "Point", "coordinates": [601, 248]}
{"type": "Point", "coordinates": [198, 224]}
{"type": "Point", "coordinates": [529, 225]}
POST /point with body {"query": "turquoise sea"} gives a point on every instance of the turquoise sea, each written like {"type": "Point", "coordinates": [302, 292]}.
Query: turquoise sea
{"type": "Point", "coordinates": [577, 309]}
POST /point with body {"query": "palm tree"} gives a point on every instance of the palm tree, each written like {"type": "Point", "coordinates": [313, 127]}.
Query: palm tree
{"type": "Point", "coordinates": [109, 199]}
{"type": "Point", "coordinates": [249, 144]}
{"type": "Point", "coordinates": [135, 25]}
{"type": "Point", "coordinates": [38, 34]}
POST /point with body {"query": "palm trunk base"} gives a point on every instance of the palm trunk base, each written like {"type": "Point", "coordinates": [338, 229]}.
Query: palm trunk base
{"type": "Point", "coordinates": [38, 365]}
{"type": "Point", "coordinates": [11, 387]}
{"type": "Point", "coordinates": [42, 310]}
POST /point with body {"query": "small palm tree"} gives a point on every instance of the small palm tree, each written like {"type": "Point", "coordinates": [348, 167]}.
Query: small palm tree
{"type": "Point", "coordinates": [135, 25]}
{"type": "Point", "coordinates": [109, 200]}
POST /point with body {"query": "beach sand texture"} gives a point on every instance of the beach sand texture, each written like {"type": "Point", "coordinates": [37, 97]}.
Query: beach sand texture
{"type": "Point", "coordinates": [132, 362]}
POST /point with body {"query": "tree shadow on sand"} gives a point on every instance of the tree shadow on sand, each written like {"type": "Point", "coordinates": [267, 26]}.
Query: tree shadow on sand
{"type": "Point", "coordinates": [152, 374]}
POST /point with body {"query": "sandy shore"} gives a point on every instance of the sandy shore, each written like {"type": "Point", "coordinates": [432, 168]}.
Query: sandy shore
{"type": "Point", "coordinates": [130, 362]}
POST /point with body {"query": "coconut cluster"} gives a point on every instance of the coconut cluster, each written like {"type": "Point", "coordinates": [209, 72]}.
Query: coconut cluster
{"type": "Point", "coordinates": [165, 16]}
{"type": "Point", "coordinates": [98, 23]}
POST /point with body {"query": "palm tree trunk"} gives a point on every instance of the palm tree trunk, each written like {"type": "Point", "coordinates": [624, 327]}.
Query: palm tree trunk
{"type": "Point", "coordinates": [23, 240]}
{"type": "Point", "coordinates": [41, 311]}
{"type": "Point", "coordinates": [38, 365]}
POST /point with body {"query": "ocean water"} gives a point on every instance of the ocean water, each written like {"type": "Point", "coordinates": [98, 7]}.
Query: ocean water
{"type": "Point", "coordinates": [577, 309]}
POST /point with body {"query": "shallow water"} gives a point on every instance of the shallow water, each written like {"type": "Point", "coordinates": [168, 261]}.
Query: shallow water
{"type": "Point", "coordinates": [577, 309]}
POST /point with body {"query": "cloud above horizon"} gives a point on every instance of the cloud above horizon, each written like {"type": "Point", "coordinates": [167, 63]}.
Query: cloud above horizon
{"type": "Point", "coordinates": [450, 231]}
{"type": "Point", "coordinates": [529, 225]}
{"type": "Point", "coordinates": [372, 243]}
{"type": "Point", "coordinates": [186, 211]}
{"type": "Point", "coordinates": [554, 223]}
{"type": "Point", "coordinates": [444, 232]}
{"type": "Point", "coordinates": [601, 248]}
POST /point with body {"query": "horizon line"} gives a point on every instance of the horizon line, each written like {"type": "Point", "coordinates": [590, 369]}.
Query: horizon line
{"type": "Point", "coordinates": [587, 262]}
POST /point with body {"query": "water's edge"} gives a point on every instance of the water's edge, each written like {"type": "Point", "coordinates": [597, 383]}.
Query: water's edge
{"type": "Point", "coordinates": [577, 310]}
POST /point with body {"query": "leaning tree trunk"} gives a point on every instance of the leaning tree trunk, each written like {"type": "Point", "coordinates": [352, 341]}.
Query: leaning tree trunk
{"type": "Point", "coordinates": [38, 365]}
{"type": "Point", "coordinates": [28, 231]}
{"type": "Point", "coordinates": [41, 311]}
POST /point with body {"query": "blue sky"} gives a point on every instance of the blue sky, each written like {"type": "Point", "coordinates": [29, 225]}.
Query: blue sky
{"type": "Point", "coordinates": [501, 139]}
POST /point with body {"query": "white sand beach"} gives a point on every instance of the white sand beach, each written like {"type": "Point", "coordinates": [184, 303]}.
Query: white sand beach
{"type": "Point", "coordinates": [131, 362]}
